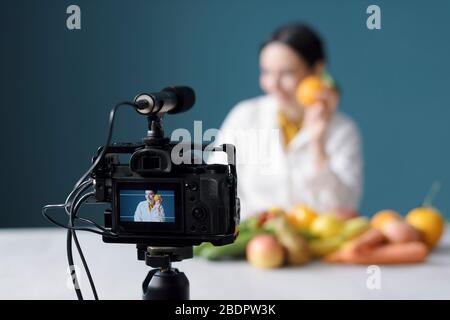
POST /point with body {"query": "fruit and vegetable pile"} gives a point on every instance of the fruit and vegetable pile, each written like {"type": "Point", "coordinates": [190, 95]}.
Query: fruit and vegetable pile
{"type": "Point", "coordinates": [275, 237]}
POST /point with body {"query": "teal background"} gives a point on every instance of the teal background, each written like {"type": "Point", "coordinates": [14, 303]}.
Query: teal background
{"type": "Point", "coordinates": [57, 86]}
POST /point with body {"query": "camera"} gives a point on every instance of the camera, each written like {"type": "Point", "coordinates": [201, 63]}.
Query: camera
{"type": "Point", "coordinates": [160, 194]}
{"type": "Point", "coordinates": [158, 202]}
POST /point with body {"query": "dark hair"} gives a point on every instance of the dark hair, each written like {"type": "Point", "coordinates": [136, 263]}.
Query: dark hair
{"type": "Point", "coordinates": [302, 39]}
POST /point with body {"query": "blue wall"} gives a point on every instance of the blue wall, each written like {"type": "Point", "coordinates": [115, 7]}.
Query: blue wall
{"type": "Point", "coordinates": [57, 86]}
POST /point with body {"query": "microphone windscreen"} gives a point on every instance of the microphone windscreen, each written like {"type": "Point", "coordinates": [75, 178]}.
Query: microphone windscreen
{"type": "Point", "coordinates": [185, 98]}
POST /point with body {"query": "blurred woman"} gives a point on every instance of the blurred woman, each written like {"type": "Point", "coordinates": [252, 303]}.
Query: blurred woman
{"type": "Point", "coordinates": [288, 154]}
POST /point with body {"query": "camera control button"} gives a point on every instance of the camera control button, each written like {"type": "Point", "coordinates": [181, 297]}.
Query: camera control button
{"type": "Point", "coordinates": [199, 214]}
{"type": "Point", "coordinates": [191, 186]}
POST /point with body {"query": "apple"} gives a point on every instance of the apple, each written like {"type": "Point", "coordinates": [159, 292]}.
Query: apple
{"type": "Point", "coordinates": [264, 251]}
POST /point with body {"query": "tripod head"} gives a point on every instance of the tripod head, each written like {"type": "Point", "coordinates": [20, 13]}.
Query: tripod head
{"type": "Point", "coordinates": [162, 257]}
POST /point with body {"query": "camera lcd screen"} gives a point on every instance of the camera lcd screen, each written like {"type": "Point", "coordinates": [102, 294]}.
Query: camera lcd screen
{"type": "Point", "coordinates": [147, 205]}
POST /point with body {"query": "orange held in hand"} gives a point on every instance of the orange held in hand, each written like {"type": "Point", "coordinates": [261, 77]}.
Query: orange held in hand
{"type": "Point", "coordinates": [308, 90]}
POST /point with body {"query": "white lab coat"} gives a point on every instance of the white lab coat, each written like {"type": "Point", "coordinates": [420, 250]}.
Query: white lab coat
{"type": "Point", "coordinates": [144, 214]}
{"type": "Point", "coordinates": [270, 175]}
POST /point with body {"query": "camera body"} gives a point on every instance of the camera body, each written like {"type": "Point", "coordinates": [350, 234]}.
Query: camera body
{"type": "Point", "coordinates": [159, 203]}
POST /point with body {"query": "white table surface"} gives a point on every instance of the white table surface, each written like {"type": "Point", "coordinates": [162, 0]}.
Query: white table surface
{"type": "Point", "coordinates": [33, 265]}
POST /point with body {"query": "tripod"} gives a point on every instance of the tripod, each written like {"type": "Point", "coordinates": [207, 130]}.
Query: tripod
{"type": "Point", "coordinates": [164, 282]}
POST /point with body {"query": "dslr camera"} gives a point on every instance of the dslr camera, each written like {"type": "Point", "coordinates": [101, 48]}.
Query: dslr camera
{"type": "Point", "coordinates": [156, 201]}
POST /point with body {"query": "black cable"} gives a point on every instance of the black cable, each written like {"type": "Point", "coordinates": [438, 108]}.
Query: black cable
{"type": "Point", "coordinates": [81, 181]}
{"type": "Point", "coordinates": [69, 200]}
{"type": "Point", "coordinates": [70, 234]}
{"type": "Point", "coordinates": [77, 244]}
{"type": "Point", "coordinates": [53, 221]}
{"type": "Point", "coordinates": [66, 206]}
{"type": "Point", "coordinates": [71, 207]}
{"type": "Point", "coordinates": [72, 266]}
{"type": "Point", "coordinates": [112, 116]}
{"type": "Point", "coordinates": [92, 223]}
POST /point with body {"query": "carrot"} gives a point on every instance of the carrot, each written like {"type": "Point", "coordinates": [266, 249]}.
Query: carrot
{"type": "Point", "coordinates": [363, 244]}
{"type": "Point", "coordinates": [394, 253]}
{"type": "Point", "coordinates": [367, 241]}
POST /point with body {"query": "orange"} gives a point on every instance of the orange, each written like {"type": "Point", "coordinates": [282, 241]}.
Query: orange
{"type": "Point", "coordinates": [301, 217]}
{"type": "Point", "coordinates": [383, 216]}
{"type": "Point", "coordinates": [429, 222]}
{"type": "Point", "coordinates": [308, 90]}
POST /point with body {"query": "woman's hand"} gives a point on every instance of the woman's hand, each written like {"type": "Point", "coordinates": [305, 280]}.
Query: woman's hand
{"type": "Point", "coordinates": [317, 119]}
